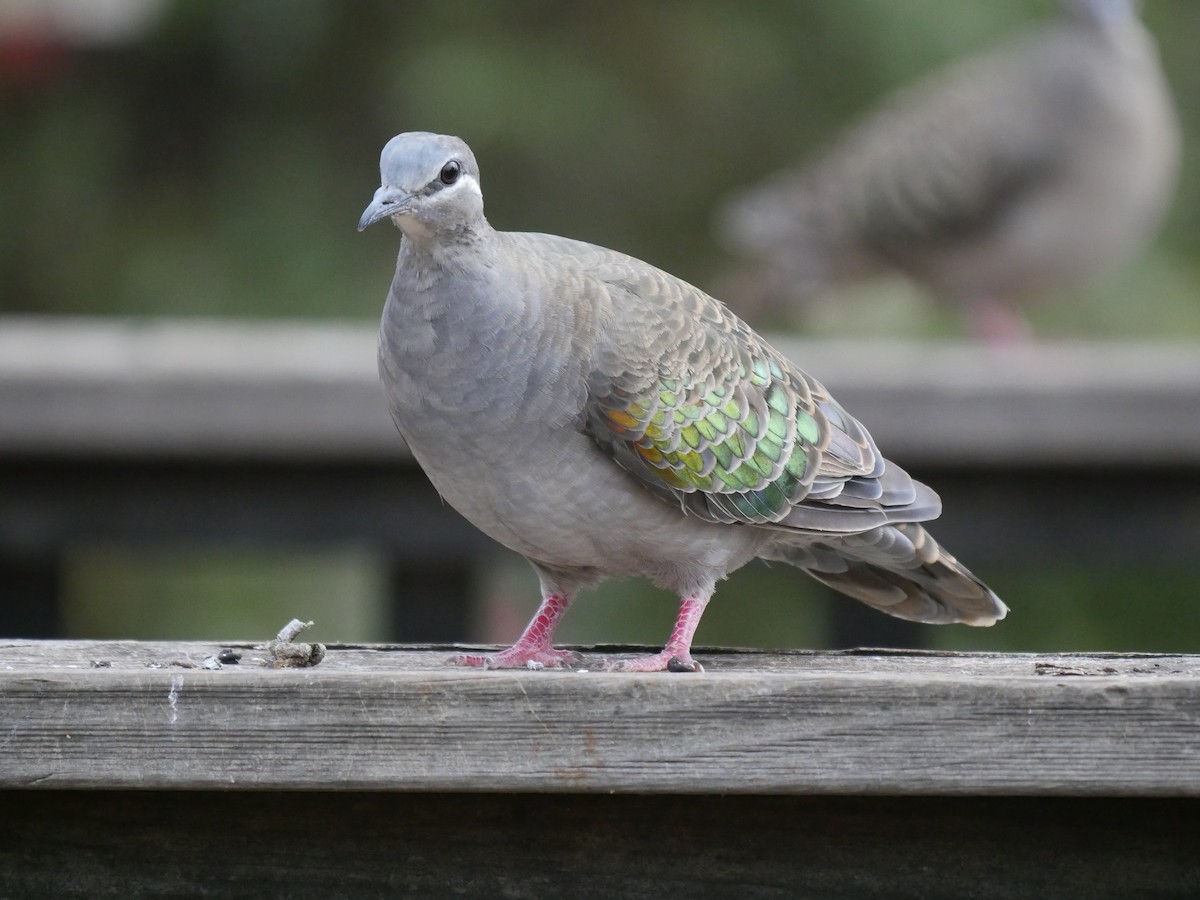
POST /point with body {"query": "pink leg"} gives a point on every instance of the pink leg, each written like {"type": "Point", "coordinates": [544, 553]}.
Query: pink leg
{"type": "Point", "coordinates": [533, 648]}
{"type": "Point", "coordinates": [999, 324]}
{"type": "Point", "coordinates": [676, 656]}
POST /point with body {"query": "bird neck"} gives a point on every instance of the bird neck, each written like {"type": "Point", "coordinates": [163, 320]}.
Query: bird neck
{"type": "Point", "coordinates": [429, 254]}
{"type": "Point", "coordinates": [428, 236]}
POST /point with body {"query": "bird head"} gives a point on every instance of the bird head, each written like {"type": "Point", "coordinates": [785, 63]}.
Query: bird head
{"type": "Point", "coordinates": [430, 185]}
{"type": "Point", "coordinates": [1104, 13]}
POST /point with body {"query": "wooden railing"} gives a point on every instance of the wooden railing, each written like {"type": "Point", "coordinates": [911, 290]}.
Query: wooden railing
{"type": "Point", "coordinates": [385, 772]}
{"type": "Point", "coordinates": [180, 431]}
{"type": "Point", "coordinates": [146, 769]}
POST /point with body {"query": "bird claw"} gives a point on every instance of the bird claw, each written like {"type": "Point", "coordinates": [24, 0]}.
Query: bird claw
{"type": "Point", "coordinates": [658, 662]}
{"type": "Point", "coordinates": [517, 657]}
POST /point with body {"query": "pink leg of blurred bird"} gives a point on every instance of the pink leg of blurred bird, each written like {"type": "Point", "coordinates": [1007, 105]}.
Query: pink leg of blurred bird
{"type": "Point", "coordinates": [533, 648]}
{"type": "Point", "coordinates": [676, 656]}
{"type": "Point", "coordinates": [999, 324]}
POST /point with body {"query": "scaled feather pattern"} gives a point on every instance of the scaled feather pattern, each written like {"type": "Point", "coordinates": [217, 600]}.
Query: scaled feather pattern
{"type": "Point", "coordinates": [604, 419]}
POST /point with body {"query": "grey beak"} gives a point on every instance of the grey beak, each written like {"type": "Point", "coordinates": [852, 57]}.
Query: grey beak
{"type": "Point", "coordinates": [387, 201]}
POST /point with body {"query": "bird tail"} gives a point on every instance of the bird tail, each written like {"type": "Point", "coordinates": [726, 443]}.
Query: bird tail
{"type": "Point", "coordinates": [902, 571]}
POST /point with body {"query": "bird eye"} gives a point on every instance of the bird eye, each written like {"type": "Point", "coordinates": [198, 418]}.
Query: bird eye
{"type": "Point", "coordinates": [450, 172]}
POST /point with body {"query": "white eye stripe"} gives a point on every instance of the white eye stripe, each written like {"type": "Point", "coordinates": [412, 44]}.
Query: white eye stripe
{"type": "Point", "coordinates": [463, 179]}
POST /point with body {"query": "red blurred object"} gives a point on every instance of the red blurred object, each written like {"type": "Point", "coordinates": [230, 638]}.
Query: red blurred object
{"type": "Point", "coordinates": [30, 58]}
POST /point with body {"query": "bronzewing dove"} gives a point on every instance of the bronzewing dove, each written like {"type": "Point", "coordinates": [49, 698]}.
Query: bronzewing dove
{"type": "Point", "coordinates": [1026, 169]}
{"type": "Point", "coordinates": [603, 418]}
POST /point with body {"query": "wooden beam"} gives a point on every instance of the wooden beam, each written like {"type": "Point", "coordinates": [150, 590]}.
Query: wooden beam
{"type": "Point", "coordinates": [205, 388]}
{"type": "Point", "coordinates": [91, 715]}
{"type": "Point", "coordinates": [88, 387]}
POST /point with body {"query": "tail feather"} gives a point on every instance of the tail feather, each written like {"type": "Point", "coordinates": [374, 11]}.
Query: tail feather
{"type": "Point", "coordinates": [900, 570]}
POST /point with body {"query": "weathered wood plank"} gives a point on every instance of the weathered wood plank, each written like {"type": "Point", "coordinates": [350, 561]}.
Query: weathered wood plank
{"type": "Point", "coordinates": [192, 389]}
{"type": "Point", "coordinates": [800, 723]}
{"type": "Point", "coordinates": [211, 389]}
{"type": "Point", "coordinates": [530, 847]}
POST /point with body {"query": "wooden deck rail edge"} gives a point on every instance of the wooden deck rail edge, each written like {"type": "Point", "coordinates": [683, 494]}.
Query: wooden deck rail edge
{"type": "Point", "coordinates": [122, 715]}
{"type": "Point", "coordinates": [215, 388]}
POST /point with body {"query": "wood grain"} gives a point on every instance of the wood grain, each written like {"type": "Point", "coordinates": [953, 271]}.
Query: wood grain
{"type": "Point", "coordinates": [131, 715]}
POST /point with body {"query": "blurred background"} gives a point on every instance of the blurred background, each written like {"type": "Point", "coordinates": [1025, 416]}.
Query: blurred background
{"type": "Point", "coordinates": [179, 158]}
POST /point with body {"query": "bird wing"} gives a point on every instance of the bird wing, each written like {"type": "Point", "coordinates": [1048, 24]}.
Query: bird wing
{"type": "Point", "coordinates": [687, 398]}
{"type": "Point", "coordinates": [949, 155]}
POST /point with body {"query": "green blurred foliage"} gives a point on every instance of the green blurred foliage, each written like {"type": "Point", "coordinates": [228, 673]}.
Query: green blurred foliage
{"type": "Point", "coordinates": [217, 166]}
{"type": "Point", "coordinates": [1068, 607]}
{"type": "Point", "coordinates": [221, 593]}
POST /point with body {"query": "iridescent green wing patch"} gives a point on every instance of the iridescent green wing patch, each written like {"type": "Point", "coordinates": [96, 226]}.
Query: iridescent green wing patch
{"type": "Point", "coordinates": [686, 397]}
{"type": "Point", "coordinates": [738, 440]}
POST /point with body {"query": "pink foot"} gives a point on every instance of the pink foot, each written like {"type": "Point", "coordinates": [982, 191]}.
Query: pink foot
{"type": "Point", "coordinates": [666, 660]}
{"type": "Point", "coordinates": [676, 656]}
{"type": "Point", "coordinates": [532, 649]}
{"type": "Point", "coordinates": [521, 656]}
{"type": "Point", "coordinates": [999, 324]}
